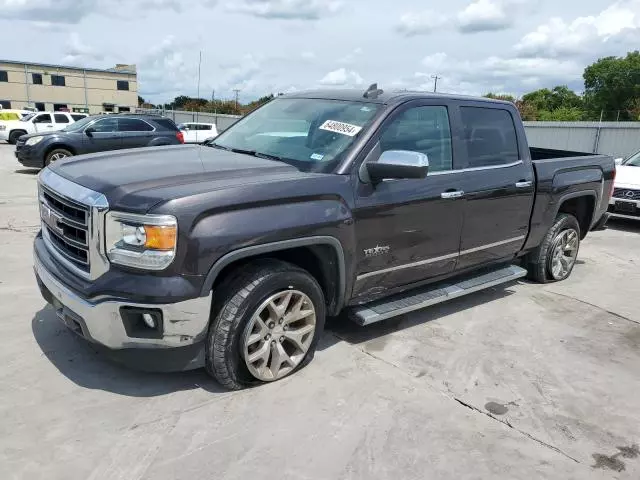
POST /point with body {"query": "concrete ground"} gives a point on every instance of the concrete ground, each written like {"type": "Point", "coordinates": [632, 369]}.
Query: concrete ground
{"type": "Point", "coordinates": [523, 382]}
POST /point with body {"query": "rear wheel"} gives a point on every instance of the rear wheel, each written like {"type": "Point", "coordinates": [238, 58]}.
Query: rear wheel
{"type": "Point", "coordinates": [15, 135]}
{"type": "Point", "coordinates": [57, 154]}
{"type": "Point", "coordinates": [266, 324]}
{"type": "Point", "coordinates": [556, 256]}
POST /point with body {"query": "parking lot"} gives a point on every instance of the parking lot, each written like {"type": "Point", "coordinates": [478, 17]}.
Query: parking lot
{"type": "Point", "coordinates": [527, 381]}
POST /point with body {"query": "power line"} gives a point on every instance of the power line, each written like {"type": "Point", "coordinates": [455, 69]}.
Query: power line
{"type": "Point", "coordinates": [435, 82]}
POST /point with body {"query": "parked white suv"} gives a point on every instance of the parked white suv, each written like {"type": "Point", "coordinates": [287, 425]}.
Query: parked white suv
{"type": "Point", "coordinates": [36, 122]}
{"type": "Point", "coordinates": [195, 132]}
{"type": "Point", "coordinates": [625, 201]}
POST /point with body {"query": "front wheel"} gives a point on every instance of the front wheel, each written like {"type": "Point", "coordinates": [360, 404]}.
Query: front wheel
{"type": "Point", "coordinates": [556, 256]}
{"type": "Point", "coordinates": [56, 154]}
{"type": "Point", "coordinates": [266, 324]}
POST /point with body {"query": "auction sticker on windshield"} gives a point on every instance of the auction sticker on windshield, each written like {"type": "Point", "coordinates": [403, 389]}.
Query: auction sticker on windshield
{"type": "Point", "coordinates": [340, 127]}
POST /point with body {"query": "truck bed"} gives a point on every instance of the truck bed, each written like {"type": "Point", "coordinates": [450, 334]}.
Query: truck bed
{"type": "Point", "coordinates": [538, 153]}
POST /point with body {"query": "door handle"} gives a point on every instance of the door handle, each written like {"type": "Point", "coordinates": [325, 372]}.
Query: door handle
{"type": "Point", "coordinates": [49, 126]}
{"type": "Point", "coordinates": [524, 184]}
{"type": "Point", "coordinates": [454, 194]}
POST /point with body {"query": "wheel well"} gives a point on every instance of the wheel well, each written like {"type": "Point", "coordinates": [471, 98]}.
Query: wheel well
{"type": "Point", "coordinates": [582, 208]}
{"type": "Point", "coordinates": [24, 132]}
{"type": "Point", "coordinates": [58, 145]}
{"type": "Point", "coordinates": [320, 261]}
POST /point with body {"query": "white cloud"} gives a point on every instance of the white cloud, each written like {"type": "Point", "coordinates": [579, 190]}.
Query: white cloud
{"type": "Point", "coordinates": [420, 23]}
{"type": "Point", "coordinates": [285, 9]}
{"type": "Point", "coordinates": [484, 15]}
{"type": "Point", "coordinates": [342, 78]}
{"type": "Point", "coordinates": [351, 57]}
{"type": "Point", "coordinates": [308, 55]}
{"type": "Point", "coordinates": [616, 27]}
{"type": "Point", "coordinates": [77, 52]}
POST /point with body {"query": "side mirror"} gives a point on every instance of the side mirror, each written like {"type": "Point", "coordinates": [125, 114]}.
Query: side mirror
{"type": "Point", "coordinates": [398, 164]}
{"type": "Point", "coordinates": [89, 131]}
{"type": "Point", "coordinates": [618, 161]}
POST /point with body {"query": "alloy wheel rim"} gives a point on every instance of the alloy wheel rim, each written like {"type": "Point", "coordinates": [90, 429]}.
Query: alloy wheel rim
{"type": "Point", "coordinates": [279, 335]}
{"type": "Point", "coordinates": [564, 253]}
{"type": "Point", "coordinates": [58, 156]}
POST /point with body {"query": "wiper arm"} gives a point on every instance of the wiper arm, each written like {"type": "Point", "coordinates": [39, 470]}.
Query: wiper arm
{"type": "Point", "coordinates": [216, 145]}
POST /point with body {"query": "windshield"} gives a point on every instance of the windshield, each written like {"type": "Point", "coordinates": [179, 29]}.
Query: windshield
{"type": "Point", "coordinates": [633, 160]}
{"type": "Point", "coordinates": [26, 118]}
{"type": "Point", "coordinates": [311, 134]}
{"type": "Point", "coordinates": [79, 125]}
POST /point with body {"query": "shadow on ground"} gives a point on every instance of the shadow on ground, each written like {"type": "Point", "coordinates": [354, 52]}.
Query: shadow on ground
{"type": "Point", "coordinates": [87, 366]}
{"type": "Point", "coordinates": [345, 329]}
{"type": "Point", "coordinates": [624, 225]}
{"type": "Point", "coordinates": [27, 171]}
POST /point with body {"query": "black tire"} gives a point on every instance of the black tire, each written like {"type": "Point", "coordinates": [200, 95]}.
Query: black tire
{"type": "Point", "coordinates": [15, 135]}
{"type": "Point", "coordinates": [234, 305]}
{"type": "Point", "coordinates": [539, 261]}
{"type": "Point", "coordinates": [56, 151]}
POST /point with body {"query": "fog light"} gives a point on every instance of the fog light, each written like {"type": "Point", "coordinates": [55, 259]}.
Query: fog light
{"type": "Point", "coordinates": [149, 320]}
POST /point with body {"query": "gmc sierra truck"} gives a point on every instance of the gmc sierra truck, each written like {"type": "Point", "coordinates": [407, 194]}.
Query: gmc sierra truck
{"type": "Point", "coordinates": [230, 255]}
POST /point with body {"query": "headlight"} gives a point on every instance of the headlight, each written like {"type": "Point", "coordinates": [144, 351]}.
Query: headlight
{"type": "Point", "coordinates": [141, 241]}
{"type": "Point", "coordinates": [33, 140]}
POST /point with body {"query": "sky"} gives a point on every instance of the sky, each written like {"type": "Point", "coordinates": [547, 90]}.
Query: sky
{"type": "Point", "coordinates": [273, 46]}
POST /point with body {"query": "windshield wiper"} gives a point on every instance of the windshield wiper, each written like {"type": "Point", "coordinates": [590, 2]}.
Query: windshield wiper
{"type": "Point", "coordinates": [253, 153]}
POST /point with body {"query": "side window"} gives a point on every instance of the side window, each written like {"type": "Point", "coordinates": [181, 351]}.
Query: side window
{"type": "Point", "coordinates": [43, 118]}
{"type": "Point", "coordinates": [60, 118]}
{"type": "Point", "coordinates": [205, 127]}
{"type": "Point", "coordinates": [490, 136]}
{"type": "Point", "coordinates": [77, 117]}
{"type": "Point", "coordinates": [106, 125]}
{"type": "Point", "coordinates": [133, 125]}
{"type": "Point", "coordinates": [422, 129]}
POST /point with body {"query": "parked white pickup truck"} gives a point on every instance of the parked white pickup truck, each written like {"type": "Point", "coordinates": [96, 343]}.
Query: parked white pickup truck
{"type": "Point", "coordinates": [37, 122]}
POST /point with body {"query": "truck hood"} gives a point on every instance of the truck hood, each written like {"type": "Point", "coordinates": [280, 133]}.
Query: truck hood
{"type": "Point", "coordinates": [137, 179]}
{"type": "Point", "coordinates": [627, 176]}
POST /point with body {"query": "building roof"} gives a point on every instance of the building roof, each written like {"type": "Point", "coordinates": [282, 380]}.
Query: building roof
{"type": "Point", "coordinates": [126, 69]}
{"type": "Point", "coordinates": [392, 96]}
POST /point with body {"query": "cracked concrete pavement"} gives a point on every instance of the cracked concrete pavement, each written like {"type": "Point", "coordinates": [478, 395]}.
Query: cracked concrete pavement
{"type": "Point", "coordinates": [527, 381]}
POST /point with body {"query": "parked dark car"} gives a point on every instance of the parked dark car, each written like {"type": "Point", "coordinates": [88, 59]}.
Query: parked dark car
{"type": "Point", "coordinates": [97, 134]}
{"type": "Point", "coordinates": [230, 255]}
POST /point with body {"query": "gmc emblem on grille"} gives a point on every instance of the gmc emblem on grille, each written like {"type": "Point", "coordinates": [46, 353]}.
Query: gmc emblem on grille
{"type": "Point", "coordinates": [51, 219]}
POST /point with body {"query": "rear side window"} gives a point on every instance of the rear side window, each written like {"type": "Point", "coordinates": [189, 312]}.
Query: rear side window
{"type": "Point", "coordinates": [60, 118]}
{"type": "Point", "coordinates": [204, 127]}
{"type": "Point", "coordinates": [421, 129]}
{"type": "Point", "coordinates": [77, 117]}
{"type": "Point", "coordinates": [133, 125]}
{"type": "Point", "coordinates": [166, 124]}
{"type": "Point", "coordinates": [490, 136]}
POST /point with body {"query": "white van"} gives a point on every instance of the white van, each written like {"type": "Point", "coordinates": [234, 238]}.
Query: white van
{"type": "Point", "coordinates": [195, 132]}
{"type": "Point", "coordinates": [35, 122]}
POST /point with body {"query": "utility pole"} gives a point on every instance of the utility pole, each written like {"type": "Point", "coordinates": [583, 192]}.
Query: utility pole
{"type": "Point", "coordinates": [198, 96]}
{"type": "Point", "coordinates": [435, 82]}
{"type": "Point", "coordinates": [237, 91]}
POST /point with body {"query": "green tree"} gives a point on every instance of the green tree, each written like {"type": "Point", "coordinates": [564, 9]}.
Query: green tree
{"type": "Point", "coordinates": [141, 101]}
{"type": "Point", "coordinates": [549, 100]}
{"type": "Point", "coordinates": [562, 114]}
{"type": "Point", "coordinates": [501, 96]}
{"type": "Point", "coordinates": [612, 85]}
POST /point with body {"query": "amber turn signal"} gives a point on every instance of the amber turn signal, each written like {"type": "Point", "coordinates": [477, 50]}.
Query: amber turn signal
{"type": "Point", "coordinates": [160, 237]}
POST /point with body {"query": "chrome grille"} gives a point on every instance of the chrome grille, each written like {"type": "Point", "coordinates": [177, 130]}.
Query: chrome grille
{"type": "Point", "coordinates": [65, 225]}
{"type": "Point", "coordinates": [72, 224]}
{"type": "Point", "coordinates": [626, 193]}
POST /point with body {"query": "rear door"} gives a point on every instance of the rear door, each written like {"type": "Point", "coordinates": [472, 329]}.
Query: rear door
{"type": "Point", "coordinates": [135, 132]}
{"type": "Point", "coordinates": [60, 120]}
{"type": "Point", "coordinates": [406, 230]}
{"type": "Point", "coordinates": [43, 123]}
{"type": "Point", "coordinates": [104, 136]}
{"type": "Point", "coordinates": [498, 184]}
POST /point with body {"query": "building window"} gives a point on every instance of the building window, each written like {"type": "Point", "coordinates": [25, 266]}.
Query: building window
{"type": "Point", "coordinates": [57, 81]}
{"type": "Point", "coordinates": [123, 109]}
{"type": "Point", "coordinates": [108, 107]}
{"type": "Point", "coordinates": [40, 106]}
{"type": "Point", "coordinates": [123, 85]}
{"type": "Point", "coordinates": [36, 78]}
{"type": "Point", "coordinates": [60, 107]}
{"type": "Point", "coordinates": [5, 103]}
{"type": "Point", "coordinates": [5, 78]}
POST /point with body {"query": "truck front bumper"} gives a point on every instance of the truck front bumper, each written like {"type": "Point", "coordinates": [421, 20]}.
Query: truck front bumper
{"type": "Point", "coordinates": [116, 323]}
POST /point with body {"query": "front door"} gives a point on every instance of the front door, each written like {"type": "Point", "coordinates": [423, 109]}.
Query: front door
{"type": "Point", "coordinates": [407, 231]}
{"type": "Point", "coordinates": [498, 186]}
{"type": "Point", "coordinates": [104, 135]}
{"type": "Point", "coordinates": [43, 123]}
